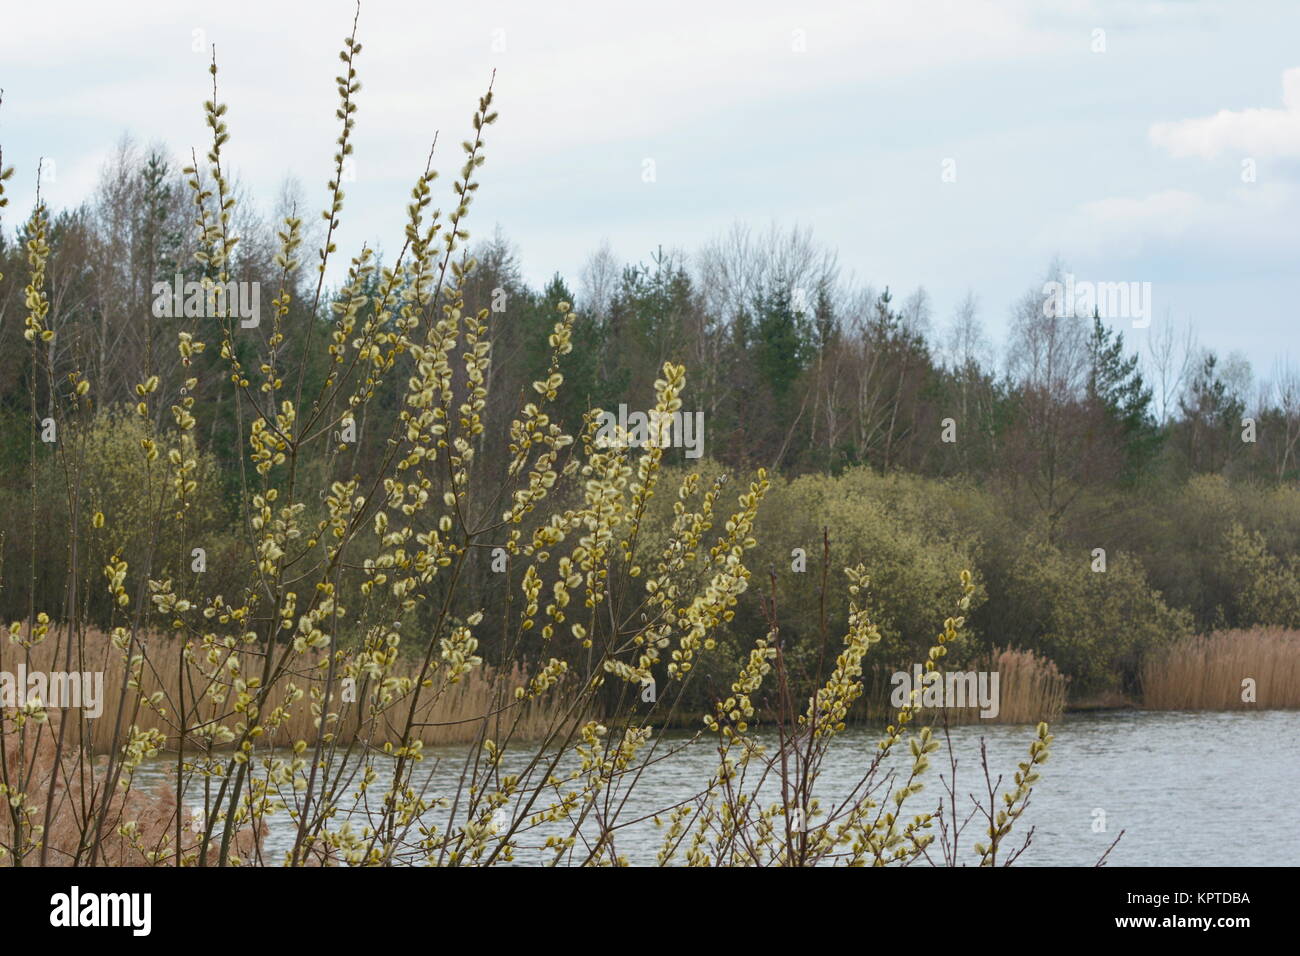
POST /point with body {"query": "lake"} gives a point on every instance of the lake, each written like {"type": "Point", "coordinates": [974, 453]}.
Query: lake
{"type": "Point", "coordinates": [1188, 788]}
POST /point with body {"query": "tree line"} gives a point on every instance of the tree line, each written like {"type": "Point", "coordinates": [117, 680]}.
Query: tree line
{"type": "Point", "coordinates": [797, 368]}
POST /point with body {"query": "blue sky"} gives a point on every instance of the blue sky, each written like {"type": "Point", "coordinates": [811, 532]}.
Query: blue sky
{"type": "Point", "coordinates": [1126, 163]}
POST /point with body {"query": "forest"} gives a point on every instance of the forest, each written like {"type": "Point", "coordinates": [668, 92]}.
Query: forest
{"type": "Point", "coordinates": [1109, 498]}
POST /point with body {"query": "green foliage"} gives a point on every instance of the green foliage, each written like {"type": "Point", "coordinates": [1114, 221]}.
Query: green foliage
{"type": "Point", "coordinates": [910, 551]}
{"type": "Point", "coordinates": [1212, 554]}
{"type": "Point", "coordinates": [1096, 625]}
{"type": "Point", "coordinates": [1211, 418]}
{"type": "Point", "coordinates": [121, 483]}
{"type": "Point", "coordinates": [1266, 585]}
{"type": "Point", "coordinates": [1115, 383]}
{"type": "Point", "coordinates": [115, 481]}
{"type": "Point", "coordinates": [782, 340]}
{"type": "Point", "coordinates": [897, 527]}
{"type": "Point", "coordinates": [1203, 542]}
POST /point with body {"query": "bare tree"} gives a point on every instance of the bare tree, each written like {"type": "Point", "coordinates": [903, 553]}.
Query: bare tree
{"type": "Point", "coordinates": [1170, 355]}
{"type": "Point", "coordinates": [1238, 377]}
{"type": "Point", "coordinates": [966, 344]}
{"type": "Point", "coordinates": [1285, 392]}
{"type": "Point", "coordinates": [598, 282]}
{"type": "Point", "coordinates": [968, 353]}
{"type": "Point", "coordinates": [917, 313]}
{"type": "Point", "coordinates": [734, 268]}
{"type": "Point", "coordinates": [1047, 350]}
{"type": "Point", "coordinates": [1048, 360]}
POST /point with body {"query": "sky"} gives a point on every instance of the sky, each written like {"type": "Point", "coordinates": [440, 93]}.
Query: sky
{"type": "Point", "coordinates": [957, 146]}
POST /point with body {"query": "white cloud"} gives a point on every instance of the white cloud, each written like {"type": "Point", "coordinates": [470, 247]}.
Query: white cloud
{"type": "Point", "coordinates": [1258, 220]}
{"type": "Point", "coordinates": [598, 73]}
{"type": "Point", "coordinates": [1256, 132]}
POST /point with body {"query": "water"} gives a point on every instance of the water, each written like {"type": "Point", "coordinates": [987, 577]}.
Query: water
{"type": "Point", "coordinates": [1187, 788]}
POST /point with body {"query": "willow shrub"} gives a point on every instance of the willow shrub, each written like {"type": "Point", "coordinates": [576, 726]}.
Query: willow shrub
{"type": "Point", "coordinates": [607, 630]}
{"type": "Point", "coordinates": [1095, 625]}
{"type": "Point", "coordinates": [114, 480]}
{"type": "Point", "coordinates": [913, 533]}
{"type": "Point", "coordinates": [1266, 586]}
{"type": "Point", "coordinates": [889, 526]}
{"type": "Point", "coordinates": [1203, 542]}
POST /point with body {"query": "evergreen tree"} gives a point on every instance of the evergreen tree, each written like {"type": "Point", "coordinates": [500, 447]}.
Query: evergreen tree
{"type": "Point", "coordinates": [1211, 417]}
{"type": "Point", "coordinates": [783, 340]}
{"type": "Point", "coordinates": [1117, 390]}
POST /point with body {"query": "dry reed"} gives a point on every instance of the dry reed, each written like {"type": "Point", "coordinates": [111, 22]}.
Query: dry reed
{"type": "Point", "coordinates": [453, 717]}
{"type": "Point", "coordinates": [135, 826]}
{"type": "Point", "coordinates": [1030, 688]}
{"type": "Point", "coordinates": [1209, 672]}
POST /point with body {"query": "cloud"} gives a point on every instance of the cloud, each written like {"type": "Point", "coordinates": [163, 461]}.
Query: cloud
{"type": "Point", "coordinates": [1256, 132]}
{"type": "Point", "coordinates": [1259, 223]}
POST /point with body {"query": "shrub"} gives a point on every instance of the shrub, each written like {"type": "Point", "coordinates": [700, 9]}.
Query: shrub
{"type": "Point", "coordinates": [601, 631]}
{"type": "Point", "coordinates": [893, 526]}
{"type": "Point", "coordinates": [1266, 587]}
{"type": "Point", "coordinates": [1094, 625]}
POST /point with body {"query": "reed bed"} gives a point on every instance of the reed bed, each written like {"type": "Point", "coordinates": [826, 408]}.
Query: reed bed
{"type": "Point", "coordinates": [452, 717]}
{"type": "Point", "coordinates": [1031, 688]}
{"type": "Point", "coordinates": [132, 822]}
{"type": "Point", "coordinates": [1208, 672]}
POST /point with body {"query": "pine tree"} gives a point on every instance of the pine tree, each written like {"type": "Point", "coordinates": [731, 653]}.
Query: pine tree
{"type": "Point", "coordinates": [783, 340]}
{"type": "Point", "coordinates": [1117, 389]}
